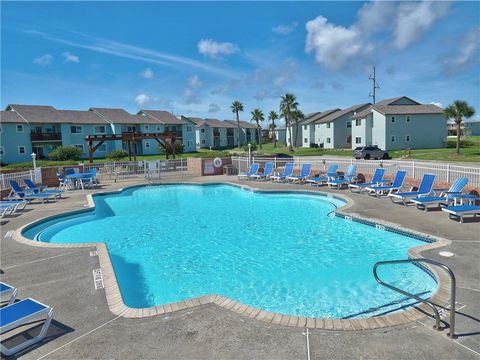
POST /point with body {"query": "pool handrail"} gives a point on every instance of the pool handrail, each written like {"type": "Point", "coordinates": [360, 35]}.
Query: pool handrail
{"type": "Point", "coordinates": [451, 334]}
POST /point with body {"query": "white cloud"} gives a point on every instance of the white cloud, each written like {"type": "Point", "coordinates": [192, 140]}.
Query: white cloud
{"type": "Point", "coordinates": [147, 73]}
{"type": "Point", "coordinates": [43, 60]}
{"type": "Point", "coordinates": [213, 108]}
{"type": "Point", "coordinates": [213, 49]}
{"type": "Point", "coordinates": [69, 57]}
{"type": "Point", "coordinates": [465, 56]}
{"type": "Point", "coordinates": [194, 82]}
{"type": "Point", "coordinates": [285, 29]}
{"type": "Point", "coordinates": [334, 46]}
{"type": "Point", "coordinates": [414, 19]}
{"type": "Point", "coordinates": [142, 99]}
{"type": "Point", "coordinates": [439, 104]}
{"type": "Point", "coordinates": [376, 16]}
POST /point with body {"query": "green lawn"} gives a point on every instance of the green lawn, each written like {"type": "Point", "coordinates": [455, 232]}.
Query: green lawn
{"type": "Point", "coordinates": [470, 152]}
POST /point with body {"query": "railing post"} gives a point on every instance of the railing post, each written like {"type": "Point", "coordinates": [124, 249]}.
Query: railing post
{"type": "Point", "coordinates": [448, 173]}
{"type": "Point", "coordinates": [413, 169]}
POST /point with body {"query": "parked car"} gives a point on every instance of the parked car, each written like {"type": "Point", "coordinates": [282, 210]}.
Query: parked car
{"type": "Point", "coordinates": [369, 152]}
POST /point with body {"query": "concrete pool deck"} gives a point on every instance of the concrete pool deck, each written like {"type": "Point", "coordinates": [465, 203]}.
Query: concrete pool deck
{"type": "Point", "coordinates": [84, 326]}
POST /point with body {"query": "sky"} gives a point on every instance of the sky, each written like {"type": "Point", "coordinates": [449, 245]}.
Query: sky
{"type": "Point", "coordinates": [196, 58]}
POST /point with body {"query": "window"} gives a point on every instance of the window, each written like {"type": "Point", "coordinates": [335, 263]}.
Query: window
{"type": "Point", "coordinates": [1, 150]}
{"type": "Point", "coordinates": [305, 140]}
{"type": "Point", "coordinates": [408, 119]}
{"type": "Point", "coordinates": [99, 129]}
{"type": "Point", "coordinates": [392, 138]}
{"type": "Point", "coordinates": [80, 146]}
{"type": "Point", "coordinates": [147, 145]}
{"type": "Point", "coordinates": [203, 141]}
{"type": "Point", "coordinates": [407, 138]}
{"type": "Point", "coordinates": [349, 124]}
{"type": "Point", "coordinates": [75, 129]}
{"type": "Point", "coordinates": [358, 122]}
{"type": "Point", "coordinates": [19, 128]}
{"type": "Point", "coordinates": [21, 150]}
{"type": "Point", "coordinates": [189, 128]}
{"type": "Point", "coordinates": [202, 130]}
{"type": "Point", "coordinates": [305, 127]}
{"type": "Point", "coordinates": [189, 143]}
{"type": "Point", "coordinates": [329, 140]}
{"type": "Point", "coordinates": [145, 128]}
{"type": "Point", "coordinates": [131, 129]}
{"type": "Point", "coordinates": [328, 125]}
{"type": "Point", "coordinates": [358, 140]}
{"type": "Point", "coordinates": [392, 119]}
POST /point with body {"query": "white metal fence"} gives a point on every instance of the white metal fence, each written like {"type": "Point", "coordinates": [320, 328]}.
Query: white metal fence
{"type": "Point", "coordinates": [34, 175]}
{"type": "Point", "coordinates": [445, 172]}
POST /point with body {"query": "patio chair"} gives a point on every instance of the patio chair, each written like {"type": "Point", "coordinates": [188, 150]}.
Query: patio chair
{"type": "Point", "coordinates": [267, 172]}
{"type": "Point", "coordinates": [42, 189]}
{"type": "Point", "coordinates": [304, 174]}
{"type": "Point", "coordinates": [425, 188]}
{"type": "Point", "coordinates": [348, 178]}
{"type": "Point", "coordinates": [389, 189]}
{"type": "Point", "coordinates": [459, 211]}
{"type": "Point", "coordinates": [442, 197]}
{"type": "Point", "coordinates": [89, 179]}
{"type": "Point", "coordinates": [18, 194]}
{"type": "Point", "coordinates": [20, 313]}
{"type": "Point", "coordinates": [253, 170]}
{"type": "Point", "coordinates": [10, 207]}
{"type": "Point", "coordinates": [287, 171]}
{"type": "Point", "coordinates": [377, 179]}
{"type": "Point", "coordinates": [330, 175]}
{"type": "Point", "coordinates": [8, 290]}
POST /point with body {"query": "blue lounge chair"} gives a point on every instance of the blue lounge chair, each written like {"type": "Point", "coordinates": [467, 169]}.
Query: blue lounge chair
{"type": "Point", "coordinates": [330, 175]}
{"type": "Point", "coordinates": [459, 211]}
{"type": "Point", "coordinates": [42, 189]}
{"type": "Point", "coordinates": [304, 174]}
{"type": "Point", "coordinates": [267, 172]}
{"type": "Point", "coordinates": [18, 194]}
{"type": "Point", "coordinates": [8, 290]}
{"type": "Point", "coordinates": [425, 189]}
{"type": "Point", "coordinates": [348, 178]}
{"type": "Point", "coordinates": [287, 171]}
{"type": "Point", "coordinates": [377, 179]}
{"type": "Point", "coordinates": [389, 189]}
{"type": "Point", "coordinates": [89, 178]}
{"type": "Point", "coordinates": [443, 196]}
{"type": "Point", "coordinates": [21, 313]}
{"type": "Point", "coordinates": [253, 170]}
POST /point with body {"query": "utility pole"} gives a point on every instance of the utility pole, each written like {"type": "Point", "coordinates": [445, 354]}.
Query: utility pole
{"type": "Point", "coordinates": [375, 85]}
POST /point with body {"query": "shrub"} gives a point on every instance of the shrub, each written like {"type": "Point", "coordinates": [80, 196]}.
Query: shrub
{"type": "Point", "coordinates": [117, 155]}
{"type": "Point", "coordinates": [253, 147]}
{"type": "Point", "coordinates": [452, 143]}
{"type": "Point", "coordinates": [63, 153]}
{"type": "Point", "coordinates": [179, 148]}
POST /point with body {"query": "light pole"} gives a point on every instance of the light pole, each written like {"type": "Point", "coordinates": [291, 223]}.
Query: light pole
{"type": "Point", "coordinates": [249, 154]}
{"type": "Point", "coordinates": [34, 159]}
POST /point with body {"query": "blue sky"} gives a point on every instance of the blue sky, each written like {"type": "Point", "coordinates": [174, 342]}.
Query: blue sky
{"type": "Point", "coordinates": [195, 58]}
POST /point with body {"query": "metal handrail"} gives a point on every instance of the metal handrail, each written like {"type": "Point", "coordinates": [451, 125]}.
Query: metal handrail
{"type": "Point", "coordinates": [451, 334]}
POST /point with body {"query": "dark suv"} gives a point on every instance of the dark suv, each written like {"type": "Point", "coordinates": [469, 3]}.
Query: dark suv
{"type": "Point", "coordinates": [369, 152]}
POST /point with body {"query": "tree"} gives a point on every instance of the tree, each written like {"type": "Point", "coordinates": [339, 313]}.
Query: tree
{"type": "Point", "coordinates": [258, 116]}
{"type": "Point", "coordinates": [236, 107]}
{"type": "Point", "coordinates": [288, 105]}
{"type": "Point", "coordinates": [458, 110]}
{"type": "Point", "coordinates": [297, 116]}
{"type": "Point", "coordinates": [273, 116]}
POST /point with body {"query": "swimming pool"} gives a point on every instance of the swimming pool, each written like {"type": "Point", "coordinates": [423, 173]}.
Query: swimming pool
{"type": "Point", "coordinates": [281, 252]}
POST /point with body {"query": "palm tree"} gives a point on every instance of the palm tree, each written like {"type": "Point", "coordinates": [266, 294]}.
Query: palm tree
{"type": "Point", "coordinates": [258, 116]}
{"type": "Point", "coordinates": [297, 116]}
{"type": "Point", "coordinates": [288, 105]}
{"type": "Point", "coordinates": [236, 107]}
{"type": "Point", "coordinates": [273, 116]}
{"type": "Point", "coordinates": [458, 110]}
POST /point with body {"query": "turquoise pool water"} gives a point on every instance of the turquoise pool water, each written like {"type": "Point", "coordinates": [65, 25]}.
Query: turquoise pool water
{"type": "Point", "coordinates": [280, 252]}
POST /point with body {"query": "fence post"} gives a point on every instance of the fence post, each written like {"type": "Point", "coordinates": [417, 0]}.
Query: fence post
{"type": "Point", "coordinates": [3, 181]}
{"type": "Point", "coordinates": [275, 162]}
{"type": "Point", "coordinates": [448, 173]}
{"type": "Point", "coordinates": [413, 169]}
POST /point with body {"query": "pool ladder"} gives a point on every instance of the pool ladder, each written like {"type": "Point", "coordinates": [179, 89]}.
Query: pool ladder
{"type": "Point", "coordinates": [437, 326]}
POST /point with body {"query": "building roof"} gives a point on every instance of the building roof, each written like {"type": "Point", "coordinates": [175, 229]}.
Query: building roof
{"type": "Point", "coordinates": [195, 120]}
{"type": "Point", "coordinates": [36, 113]}
{"type": "Point", "coordinates": [388, 107]}
{"type": "Point", "coordinates": [243, 124]}
{"type": "Point", "coordinates": [11, 117]}
{"type": "Point", "coordinates": [120, 116]}
{"type": "Point", "coordinates": [334, 115]}
{"type": "Point", "coordinates": [214, 123]}
{"type": "Point", "coordinates": [80, 117]}
{"type": "Point", "coordinates": [163, 117]}
{"type": "Point", "coordinates": [315, 119]}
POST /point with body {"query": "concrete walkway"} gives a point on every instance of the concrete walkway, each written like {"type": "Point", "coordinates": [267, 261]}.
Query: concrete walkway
{"type": "Point", "coordinates": [85, 328]}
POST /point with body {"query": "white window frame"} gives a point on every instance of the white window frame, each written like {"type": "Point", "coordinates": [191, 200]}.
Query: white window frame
{"type": "Point", "coordinates": [305, 127]}
{"type": "Point", "coordinates": [392, 119]}
{"type": "Point", "coordinates": [305, 140]}
{"type": "Point", "coordinates": [99, 132]}
{"type": "Point", "coordinates": [147, 144]}
{"type": "Point", "coordinates": [81, 146]}
{"type": "Point", "coordinates": [327, 125]}
{"type": "Point", "coordinates": [24, 150]}
{"type": "Point", "coordinates": [202, 131]}
{"type": "Point", "coordinates": [189, 128]}
{"type": "Point", "coordinates": [22, 127]}
{"type": "Point", "coordinates": [408, 119]}
{"type": "Point", "coordinates": [358, 139]}
{"type": "Point", "coordinates": [349, 123]}
{"type": "Point", "coordinates": [76, 126]}
{"type": "Point", "coordinates": [328, 140]}
{"type": "Point", "coordinates": [358, 122]}
{"type": "Point", "coordinates": [408, 138]}
{"type": "Point", "coordinates": [392, 138]}
{"type": "Point", "coordinates": [203, 141]}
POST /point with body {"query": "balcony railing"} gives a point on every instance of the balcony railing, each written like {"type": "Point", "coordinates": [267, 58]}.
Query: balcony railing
{"type": "Point", "coordinates": [34, 136]}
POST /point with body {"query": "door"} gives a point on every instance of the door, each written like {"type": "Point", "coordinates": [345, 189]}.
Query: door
{"type": "Point", "coordinates": [39, 151]}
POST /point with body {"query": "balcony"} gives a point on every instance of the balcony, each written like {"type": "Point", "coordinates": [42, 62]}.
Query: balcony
{"type": "Point", "coordinates": [52, 136]}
